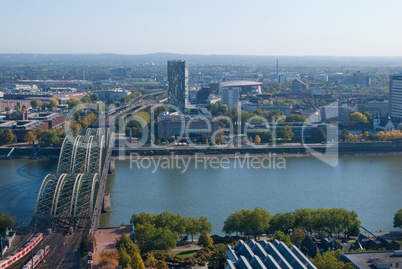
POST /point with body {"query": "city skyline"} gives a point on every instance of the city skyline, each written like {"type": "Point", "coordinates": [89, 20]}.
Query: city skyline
{"type": "Point", "coordinates": [289, 28]}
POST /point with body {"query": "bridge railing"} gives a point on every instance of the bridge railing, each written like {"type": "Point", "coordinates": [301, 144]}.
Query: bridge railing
{"type": "Point", "coordinates": [102, 184]}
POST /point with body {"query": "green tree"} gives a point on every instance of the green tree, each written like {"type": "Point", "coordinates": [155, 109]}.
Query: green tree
{"type": "Point", "coordinates": [36, 103]}
{"type": "Point", "coordinates": [161, 265]}
{"type": "Point", "coordinates": [136, 126]}
{"type": "Point", "coordinates": [282, 222]}
{"type": "Point", "coordinates": [320, 135]}
{"type": "Point", "coordinates": [344, 134]}
{"type": "Point", "coordinates": [53, 103]}
{"type": "Point", "coordinates": [330, 259]}
{"type": "Point", "coordinates": [217, 259]}
{"type": "Point", "coordinates": [233, 224]}
{"type": "Point", "coordinates": [165, 239]}
{"type": "Point", "coordinates": [398, 219]}
{"type": "Point", "coordinates": [137, 262]}
{"type": "Point", "coordinates": [192, 227]}
{"type": "Point", "coordinates": [369, 117]}
{"type": "Point", "coordinates": [49, 137]}
{"type": "Point", "coordinates": [358, 117]}
{"type": "Point", "coordinates": [142, 218]}
{"type": "Point", "coordinates": [7, 109]}
{"type": "Point", "coordinates": [124, 242]}
{"type": "Point", "coordinates": [72, 102]}
{"type": "Point", "coordinates": [151, 238]}
{"type": "Point", "coordinates": [130, 97]}
{"type": "Point", "coordinates": [6, 221]}
{"type": "Point", "coordinates": [124, 258]}
{"type": "Point", "coordinates": [250, 222]}
{"type": "Point", "coordinates": [353, 230]}
{"type": "Point", "coordinates": [204, 225]}
{"type": "Point", "coordinates": [158, 110]}
{"type": "Point", "coordinates": [296, 118]}
{"type": "Point", "coordinates": [6, 136]}
{"type": "Point", "coordinates": [365, 135]}
{"type": "Point", "coordinates": [86, 99]}
{"type": "Point", "coordinates": [172, 221]}
{"type": "Point", "coordinates": [150, 259]}
{"type": "Point", "coordinates": [205, 240]}
{"type": "Point", "coordinates": [144, 234]}
{"type": "Point", "coordinates": [258, 111]}
{"type": "Point", "coordinates": [285, 132]}
{"type": "Point", "coordinates": [272, 115]}
{"type": "Point", "coordinates": [297, 236]}
{"type": "Point", "coordinates": [29, 137]}
{"type": "Point", "coordinates": [94, 97]}
{"type": "Point", "coordinates": [285, 238]}
{"type": "Point", "coordinates": [304, 218]}
{"type": "Point", "coordinates": [266, 136]}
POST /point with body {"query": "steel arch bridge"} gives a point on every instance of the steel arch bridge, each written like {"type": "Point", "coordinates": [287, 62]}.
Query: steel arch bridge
{"type": "Point", "coordinates": [71, 194]}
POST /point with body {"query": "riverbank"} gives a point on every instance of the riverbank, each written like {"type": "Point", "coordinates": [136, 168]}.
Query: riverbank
{"type": "Point", "coordinates": [343, 149]}
{"type": "Point", "coordinates": [33, 152]}
{"type": "Point", "coordinates": [295, 150]}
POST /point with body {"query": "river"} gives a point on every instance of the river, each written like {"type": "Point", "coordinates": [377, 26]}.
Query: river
{"type": "Point", "coordinates": [369, 185]}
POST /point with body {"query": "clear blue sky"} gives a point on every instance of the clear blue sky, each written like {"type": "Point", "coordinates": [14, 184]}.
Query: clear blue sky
{"type": "Point", "coordinates": [254, 27]}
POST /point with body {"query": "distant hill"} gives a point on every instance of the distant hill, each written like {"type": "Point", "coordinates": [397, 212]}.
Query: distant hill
{"type": "Point", "coordinates": [192, 59]}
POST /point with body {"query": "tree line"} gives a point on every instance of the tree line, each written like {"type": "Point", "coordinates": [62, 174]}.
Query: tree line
{"type": "Point", "coordinates": [161, 231]}
{"type": "Point", "coordinates": [380, 136]}
{"type": "Point", "coordinates": [38, 104]}
{"type": "Point", "coordinates": [259, 221]}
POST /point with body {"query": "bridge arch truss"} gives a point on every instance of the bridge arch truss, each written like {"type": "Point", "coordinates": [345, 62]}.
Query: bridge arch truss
{"type": "Point", "coordinates": [72, 193]}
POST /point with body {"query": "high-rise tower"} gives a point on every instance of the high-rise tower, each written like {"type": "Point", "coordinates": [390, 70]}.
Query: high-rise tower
{"type": "Point", "coordinates": [395, 98]}
{"type": "Point", "coordinates": [178, 84]}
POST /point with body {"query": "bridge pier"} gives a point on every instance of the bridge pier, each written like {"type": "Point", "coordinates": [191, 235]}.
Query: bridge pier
{"type": "Point", "coordinates": [112, 167]}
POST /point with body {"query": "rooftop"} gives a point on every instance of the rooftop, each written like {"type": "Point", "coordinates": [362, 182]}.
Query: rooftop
{"type": "Point", "coordinates": [374, 259]}
{"type": "Point", "coordinates": [265, 255]}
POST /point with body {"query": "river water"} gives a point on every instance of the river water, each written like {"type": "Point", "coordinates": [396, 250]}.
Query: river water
{"type": "Point", "coordinates": [369, 185]}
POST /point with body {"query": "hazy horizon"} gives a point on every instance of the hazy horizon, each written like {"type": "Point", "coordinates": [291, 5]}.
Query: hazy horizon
{"type": "Point", "coordinates": [200, 54]}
